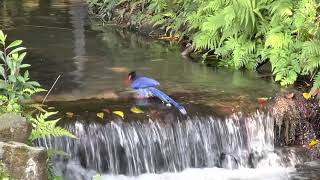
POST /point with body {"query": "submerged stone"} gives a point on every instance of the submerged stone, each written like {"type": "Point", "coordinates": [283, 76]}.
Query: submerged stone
{"type": "Point", "coordinates": [24, 162]}
{"type": "Point", "coordinates": [14, 127]}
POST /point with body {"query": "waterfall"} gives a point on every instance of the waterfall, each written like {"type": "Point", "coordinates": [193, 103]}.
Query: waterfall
{"type": "Point", "coordinates": [155, 146]}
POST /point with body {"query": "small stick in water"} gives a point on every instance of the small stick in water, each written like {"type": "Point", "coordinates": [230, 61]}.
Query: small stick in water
{"type": "Point", "coordinates": [51, 88]}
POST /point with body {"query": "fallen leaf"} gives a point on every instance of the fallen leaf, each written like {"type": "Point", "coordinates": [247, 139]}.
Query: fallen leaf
{"type": "Point", "coordinates": [69, 114]}
{"type": "Point", "coordinates": [119, 113]}
{"type": "Point", "coordinates": [100, 115]}
{"type": "Point", "coordinates": [313, 142]}
{"type": "Point", "coordinates": [306, 95]}
{"type": "Point", "coordinates": [136, 110]}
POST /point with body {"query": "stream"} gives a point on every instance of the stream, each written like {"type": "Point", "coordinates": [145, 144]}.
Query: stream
{"type": "Point", "coordinates": [93, 59]}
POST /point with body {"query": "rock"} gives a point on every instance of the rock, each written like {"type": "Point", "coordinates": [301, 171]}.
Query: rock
{"type": "Point", "coordinates": [14, 127]}
{"type": "Point", "coordinates": [188, 50]}
{"type": "Point", "coordinates": [24, 162]}
{"type": "Point", "coordinates": [264, 67]}
{"type": "Point", "coordinates": [296, 119]}
{"type": "Point", "coordinates": [228, 161]}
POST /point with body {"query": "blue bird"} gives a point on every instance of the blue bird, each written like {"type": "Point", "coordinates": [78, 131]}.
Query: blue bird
{"type": "Point", "coordinates": [147, 87]}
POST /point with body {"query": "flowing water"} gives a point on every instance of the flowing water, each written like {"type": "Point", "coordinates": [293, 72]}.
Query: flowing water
{"type": "Point", "coordinates": [93, 62]}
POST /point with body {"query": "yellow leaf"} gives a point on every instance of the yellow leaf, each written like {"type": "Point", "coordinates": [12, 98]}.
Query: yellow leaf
{"type": "Point", "coordinates": [314, 142]}
{"type": "Point", "coordinates": [69, 114]}
{"type": "Point", "coordinates": [136, 110]}
{"type": "Point", "coordinates": [100, 115]}
{"type": "Point", "coordinates": [119, 113]}
{"type": "Point", "coordinates": [306, 95]}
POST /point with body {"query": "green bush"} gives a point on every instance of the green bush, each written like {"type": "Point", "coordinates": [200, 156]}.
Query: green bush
{"type": "Point", "coordinates": [241, 33]}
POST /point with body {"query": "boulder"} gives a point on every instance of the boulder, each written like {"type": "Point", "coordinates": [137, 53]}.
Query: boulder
{"type": "Point", "coordinates": [24, 162]}
{"type": "Point", "coordinates": [14, 127]}
{"type": "Point", "coordinates": [296, 119]}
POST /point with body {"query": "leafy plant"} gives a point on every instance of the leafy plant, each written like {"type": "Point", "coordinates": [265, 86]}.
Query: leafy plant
{"type": "Point", "coordinates": [42, 127]}
{"type": "Point", "coordinates": [242, 34]}
{"type": "Point", "coordinates": [4, 175]}
{"type": "Point", "coordinates": [15, 85]}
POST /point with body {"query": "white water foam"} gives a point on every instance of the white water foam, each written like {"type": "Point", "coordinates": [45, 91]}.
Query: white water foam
{"type": "Point", "coordinates": [267, 173]}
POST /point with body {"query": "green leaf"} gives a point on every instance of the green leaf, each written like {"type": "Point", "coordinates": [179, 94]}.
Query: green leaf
{"type": "Point", "coordinates": [34, 83]}
{"type": "Point", "coordinates": [24, 65]}
{"type": "Point", "coordinates": [14, 44]}
{"type": "Point", "coordinates": [2, 71]}
{"type": "Point", "coordinates": [12, 78]}
{"type": "Point", "coordinates": [15, 56]}
{"type": "Point", "coordinates": [21, 79]}
{"type": "Point", "coordinates": [17, 50]}
{"type": "Point", "coordinates": [22, 55]}
{"type": "Point", "coordinates": [3, 85]}
{"type": "Point", "coordinates": [2, 37]}
{"type": "Point", "coordinates": [26, 75]}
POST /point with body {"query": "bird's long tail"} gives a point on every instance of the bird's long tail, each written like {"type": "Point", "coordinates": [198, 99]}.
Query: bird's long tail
{"type": "Point", "coordinates": [165, 98]}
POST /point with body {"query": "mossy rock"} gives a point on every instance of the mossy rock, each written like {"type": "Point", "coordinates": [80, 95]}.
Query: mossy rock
{"type": "Point", "coordinates": [14, 127]}
{"type": "Point", "coordinates": [24, 162]}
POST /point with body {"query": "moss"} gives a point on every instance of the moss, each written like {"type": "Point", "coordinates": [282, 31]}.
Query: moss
{"type": "Point", "coordinates": [3, 172]}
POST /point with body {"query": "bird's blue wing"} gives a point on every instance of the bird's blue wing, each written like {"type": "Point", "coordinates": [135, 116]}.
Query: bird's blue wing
{"type": "Point", "coordinates": [144, 82]}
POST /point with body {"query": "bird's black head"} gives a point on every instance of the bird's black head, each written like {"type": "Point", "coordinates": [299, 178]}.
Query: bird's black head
{"type": "Point", "coordinates": [132, 75]}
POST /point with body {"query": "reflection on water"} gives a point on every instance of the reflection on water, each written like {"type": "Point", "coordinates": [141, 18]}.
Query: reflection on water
{"type": "Point", "coordinates": [63, 40]}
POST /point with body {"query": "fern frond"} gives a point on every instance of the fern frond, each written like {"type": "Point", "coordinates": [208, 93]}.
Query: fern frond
{"type": "Point", "coordinates": [43, 128]}
{"type": "Point", "coordinates": [316, 83]}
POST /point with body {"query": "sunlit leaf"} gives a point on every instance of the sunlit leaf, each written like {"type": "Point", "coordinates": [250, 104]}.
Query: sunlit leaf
{"type": "Point", "coordinates": [2, 71]}
{"type": "Point", "coordinates": [14, 44]}
{"type": "Point", "coordinates": [119, 113]}
{"type": "Point", "coordinates": [306, 95]}
{"type": "Point", "coordinates": [2, 36]}
{"type": "Point", "coordinates": [136, 110]}
{"type": "Point", "coordinates": [69, 114]}
{"type": "Point", "coordinates": [100, 115]}
{"type": "Point", "coordinates": [17, 50]}
{"type": "Point", "coordinates": [313, 142]}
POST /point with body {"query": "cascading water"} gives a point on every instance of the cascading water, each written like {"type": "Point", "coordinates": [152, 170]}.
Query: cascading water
{"type": "Point", "coordinates": [155, 146]}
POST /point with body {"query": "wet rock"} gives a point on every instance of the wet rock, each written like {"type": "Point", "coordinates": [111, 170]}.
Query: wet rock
{"type": "Point", "coordinates": [228, 161]}
{"type": "Point", "coordinates": [308, 170]}
{"type": "Point", "coordinates": [13, 127]}
{"type": "Point", "coordinates": [188, 50]}
{"type": "Point", "coordinates": [24, 162]}
{"type": "Point", "coordinates": [264, 67]}
{"type": "Point", "coordinates": [296, 119]}
{"type": "Point", "coordinates": [254, 159]}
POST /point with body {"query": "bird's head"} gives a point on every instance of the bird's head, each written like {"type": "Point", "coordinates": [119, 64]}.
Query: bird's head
{"type": "Point", "coordinates": [132, 76]}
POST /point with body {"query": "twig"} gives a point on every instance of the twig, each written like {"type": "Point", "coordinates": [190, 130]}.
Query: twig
{"type": "Point", "coordinates": [51, 88]}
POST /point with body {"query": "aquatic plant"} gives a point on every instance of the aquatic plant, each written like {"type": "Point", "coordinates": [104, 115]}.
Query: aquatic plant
{"type": "Point", "coordinates": [240, 34]}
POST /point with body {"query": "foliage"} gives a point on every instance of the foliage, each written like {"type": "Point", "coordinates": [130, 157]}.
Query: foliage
{"type": "Point", "coordinates": [42, 127]}
{"type": "Point", "coordinates": [241, 33]}
{"type": "Point", "coordinates": [15, 85]}
{"type": "Point", "coordinates": [3, 172]}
